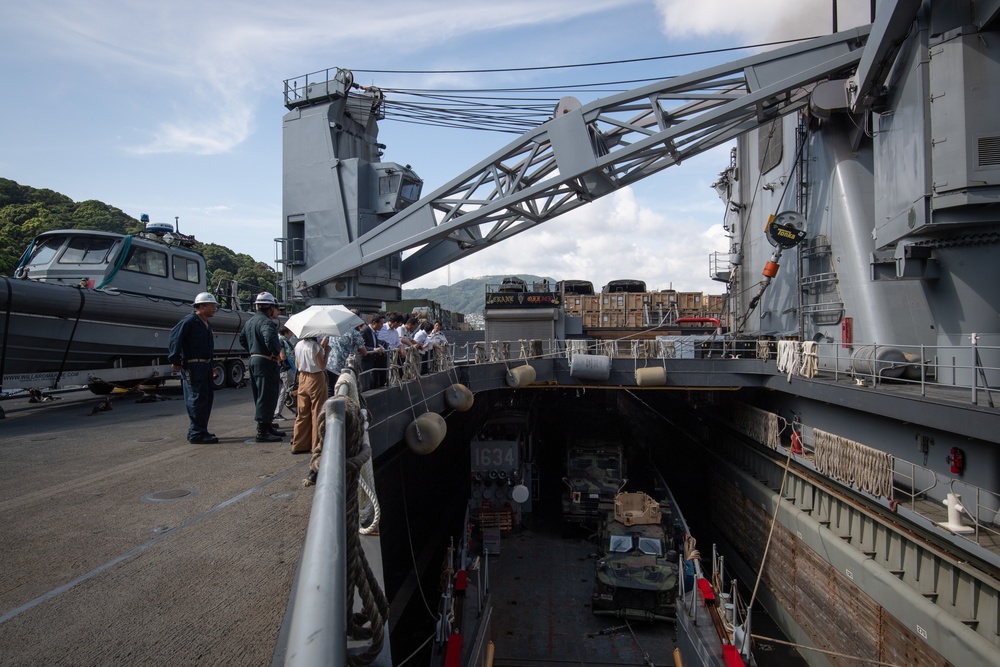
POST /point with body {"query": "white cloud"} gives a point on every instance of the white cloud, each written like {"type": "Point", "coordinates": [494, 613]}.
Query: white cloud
{"type": "Point", "coordinates": [615, 237]}
{"type": "Point", "coordinates": [761, 20]}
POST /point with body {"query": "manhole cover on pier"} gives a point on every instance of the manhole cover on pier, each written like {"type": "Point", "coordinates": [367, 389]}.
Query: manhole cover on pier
{"type": "Point", "coordinates": [168, 495]}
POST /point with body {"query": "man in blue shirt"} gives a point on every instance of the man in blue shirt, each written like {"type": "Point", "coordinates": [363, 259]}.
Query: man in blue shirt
{"type": "Point", "coordinates": [189, 350]}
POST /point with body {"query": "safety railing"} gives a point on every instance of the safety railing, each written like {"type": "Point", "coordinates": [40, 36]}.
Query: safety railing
{"type": "Point", "coordinates": [982, 508]}
{"type": "Point", "coordinates": [972, 365]}
{"type": "Point", "coordinates": [318, 630]}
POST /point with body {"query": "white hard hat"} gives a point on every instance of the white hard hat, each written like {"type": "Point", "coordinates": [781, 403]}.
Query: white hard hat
{"type": "Point", "coordinates": [205, 297]}
{"type": "Point", "coordinates": [266, 297]}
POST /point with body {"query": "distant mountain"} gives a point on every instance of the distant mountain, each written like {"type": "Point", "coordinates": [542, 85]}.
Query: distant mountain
{"type": "Point", "coordinates": [466, 296]}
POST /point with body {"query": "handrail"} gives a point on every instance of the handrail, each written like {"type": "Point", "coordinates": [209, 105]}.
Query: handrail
{"type": "Point", "coordinates": [318, 631]}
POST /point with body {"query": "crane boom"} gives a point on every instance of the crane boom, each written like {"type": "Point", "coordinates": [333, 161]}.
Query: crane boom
{"type": "Point", "coordinates": [586, 152]}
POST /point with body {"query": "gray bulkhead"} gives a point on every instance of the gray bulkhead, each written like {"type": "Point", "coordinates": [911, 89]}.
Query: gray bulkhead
{"type": "Point", "coordinates": [900, 207]}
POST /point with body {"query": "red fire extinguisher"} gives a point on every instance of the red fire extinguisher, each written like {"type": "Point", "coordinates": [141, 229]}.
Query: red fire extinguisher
{"type": "Point", "coordinates": [796, 442]}
{"type": "Point", "coordinates": [957, 460]}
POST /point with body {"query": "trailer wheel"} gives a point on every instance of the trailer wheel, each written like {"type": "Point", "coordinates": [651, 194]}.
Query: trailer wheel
{"type": "Point", "coordinates": [235, 370]}
{"type": "Point", "coordinates": [218, 375]}
{"type": "Point", "coordinates": [100, 388]}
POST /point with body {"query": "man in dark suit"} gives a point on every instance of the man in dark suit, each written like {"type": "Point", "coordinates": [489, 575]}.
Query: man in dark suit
{"type": "Point", "coordinates": [374, 363]}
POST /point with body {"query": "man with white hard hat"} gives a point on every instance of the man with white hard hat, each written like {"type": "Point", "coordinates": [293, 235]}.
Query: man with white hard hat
{"type": "Point", "coordinates": [189, 350]}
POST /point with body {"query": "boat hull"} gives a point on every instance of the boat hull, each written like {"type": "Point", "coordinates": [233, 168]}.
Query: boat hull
{"type": "Point", "coordinates": [46, 328]}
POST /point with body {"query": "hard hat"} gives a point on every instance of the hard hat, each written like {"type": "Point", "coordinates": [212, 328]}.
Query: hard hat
{"type": "Point", "coordinates": [205, 297]}
{"type": "Point", "coordinates": [266, 297]}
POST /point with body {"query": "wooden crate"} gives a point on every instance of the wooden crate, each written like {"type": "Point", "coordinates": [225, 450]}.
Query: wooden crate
{"type": "Point", "coordinates": [613, 301]}
{"type": "Point", "coordinates": [663, 298]}
{"type": "Point", "coordinates": [689, 301]}
{"type": "Point", "coordinates": [502, 518]}
{"type": "Point", "coordinates": [611, 318]}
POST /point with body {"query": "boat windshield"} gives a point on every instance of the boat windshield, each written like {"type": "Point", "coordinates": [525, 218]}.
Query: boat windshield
{"type": "Point", "coordinates": [87, 250]}
{"type": "Point", "coordinates": [620, 544]}
{"type": "Point", "coordinates": [650, 546]}
{"type": "Point", "coordinates": [45, 251]}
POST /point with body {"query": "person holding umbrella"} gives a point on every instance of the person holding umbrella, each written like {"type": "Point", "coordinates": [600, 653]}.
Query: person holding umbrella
{"type": "Point", "coordinates": [314, 326]}
{"type": "Point", "coordinates": [259, 337]}
{"type": "Point", "coordinates": [310, 359]}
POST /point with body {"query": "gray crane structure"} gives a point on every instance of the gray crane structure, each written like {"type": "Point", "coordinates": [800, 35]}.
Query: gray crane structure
{"type": "Point", "coordinates": [348, 218]}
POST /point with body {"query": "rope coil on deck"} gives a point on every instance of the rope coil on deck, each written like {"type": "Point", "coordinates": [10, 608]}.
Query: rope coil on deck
{"type": "Point", "coordinates": [760, 425]}
{"type": "Point", "coordinates": [853, 463]}
{"type": "Point", "coordinates": [795, 358]}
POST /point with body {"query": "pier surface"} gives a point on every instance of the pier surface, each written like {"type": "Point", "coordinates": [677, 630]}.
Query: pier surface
{"type": "Point", "coordinates": [124, 544]}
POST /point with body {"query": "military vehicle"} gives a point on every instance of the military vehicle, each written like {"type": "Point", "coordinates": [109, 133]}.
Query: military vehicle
{"type": "Point", "coordinates": [638, 567]}
{"type": "Point", "coordinates": [595, 472]}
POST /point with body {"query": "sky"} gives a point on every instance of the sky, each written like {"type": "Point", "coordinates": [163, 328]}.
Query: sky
{"type": "Point", "coordinates": [175, 109]}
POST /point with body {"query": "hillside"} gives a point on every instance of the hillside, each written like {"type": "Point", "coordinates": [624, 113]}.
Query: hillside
{"type": "Point", "coordinates": [466, 296]}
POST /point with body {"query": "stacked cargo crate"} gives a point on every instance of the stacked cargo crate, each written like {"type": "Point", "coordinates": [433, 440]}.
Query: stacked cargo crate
{"type": "Point", "coordinates": [636, 310]}
{"type": "Point", "coordinates": [713, 305]}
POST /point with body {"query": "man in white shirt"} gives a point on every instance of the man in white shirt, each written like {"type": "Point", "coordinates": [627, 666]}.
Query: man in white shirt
{"type": "Point", "coordinates": [310, 359]}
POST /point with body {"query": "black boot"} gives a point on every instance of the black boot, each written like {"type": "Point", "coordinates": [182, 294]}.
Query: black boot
{"type": "Point", "coordinates": [273, 430]}
{"type": "Point", "coordinates": [264, 435]}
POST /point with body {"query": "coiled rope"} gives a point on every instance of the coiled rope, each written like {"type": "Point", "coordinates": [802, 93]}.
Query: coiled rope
{"type": "Point", "coordinates": [810, 359]}
{"type": "Point", "coordinates": [368, 505]}
{"type": "Point", "coordinates": [788, 357]}
{"type": "Point", "coordinates": [853, 463]}
{"type": "Point", "coordinates": [395, 367]}
{"type": "Point", "coordinates": [761, 425]}
{"type": "Point", "coordinates": [370, 622]}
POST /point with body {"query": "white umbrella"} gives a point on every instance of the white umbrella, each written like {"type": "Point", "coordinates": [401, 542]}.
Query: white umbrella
{"type": "Point", "coordinates": [317, 321]}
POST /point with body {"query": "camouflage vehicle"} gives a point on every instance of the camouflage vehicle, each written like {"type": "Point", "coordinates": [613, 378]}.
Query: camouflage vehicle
{"type": "Point", "coordinates": [595, 471]}
{"type": "Point", "coordinates": [638, 567]}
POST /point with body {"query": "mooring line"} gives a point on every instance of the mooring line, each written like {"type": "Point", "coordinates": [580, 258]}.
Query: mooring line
{"type": "Point", "coordinates": [59, 590]}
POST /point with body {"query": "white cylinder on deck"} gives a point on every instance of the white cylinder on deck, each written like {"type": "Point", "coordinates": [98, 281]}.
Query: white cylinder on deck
{"type": "Point", "coordinates": [590, 367]}
{"type": "Point", "coordinates": [885, 362]}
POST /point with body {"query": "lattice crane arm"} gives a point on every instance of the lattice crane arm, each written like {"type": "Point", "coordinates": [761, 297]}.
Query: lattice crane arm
{"type": "Point", "coordinates": [587, 152]}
